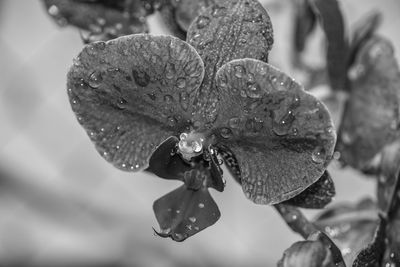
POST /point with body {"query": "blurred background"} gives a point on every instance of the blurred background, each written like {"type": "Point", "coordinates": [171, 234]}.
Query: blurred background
{"type": "Point", "coordinates": [61, 204]}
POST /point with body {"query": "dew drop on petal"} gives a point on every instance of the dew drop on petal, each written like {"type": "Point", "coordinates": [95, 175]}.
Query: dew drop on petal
{"type": "Point", "coordinates": [202, 21]}
{"type": "Point", "coordinates": [234, 123]}
{"type": "Point", "coordinates": [318, 155]}
{"type": "Point", "coordinates": [181, 83]}
{"type": "Point", "coordinates": [239, 71]}
{"type": "Point", "coordinates": [201, 205]}
{"type": "Point", "coordinates": [95, 79]}
{"type": "Point", "coordinates": [168, 99]}
{"type": "Point", "coordinates": [192, 219]}
{"type": "Point", "coordinates": [122, 103]}
{"type": "Point", "coordinates": [171, 121]}
{"type": "Point", "coordinates": [226, 133]}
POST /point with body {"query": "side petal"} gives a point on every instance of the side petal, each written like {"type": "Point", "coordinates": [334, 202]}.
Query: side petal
{"type": "Point", "coordinates": [317, 195]}
{"type": "Point", "coordinates": [132, 93]}
{"type": "Point", "coordinates": [184, 212]}
{"type": "Point", "coordinates": [282, 137]}
{"type": "Point", "coordinates": [371, 117]}
{"type": "Point", "coordinates": [227, 30]}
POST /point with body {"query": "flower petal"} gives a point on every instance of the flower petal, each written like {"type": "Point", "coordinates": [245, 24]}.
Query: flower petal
{"type": "Point", "coordinates": [132, 93]}
{"type": "Point", "coordinates": [167, 164]}
{"type": "Point", "coordinates": [178, 15]}
{"type": "Point", "coordinates": [230, 29]}
{"type": "Point", "coordinates": [282, 137]}
{"type": "Point", "coordinates": [98, 17]}
{"type": "Point", "coordinates": [184, 212]}
{"type": "Point", "coordinates": [317, 196]}
{"type": "Point", "coordinates": [337, 44]}
{"type": "Point", "coordinates": [372, 114]}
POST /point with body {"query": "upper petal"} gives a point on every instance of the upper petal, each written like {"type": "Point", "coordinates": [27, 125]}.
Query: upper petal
{"type": "Point", "coordinates": [133, 92]}
{"type": "Point", "coordinates": [227, 30]}
{"type": "Point", "coordinates": [282, 137]}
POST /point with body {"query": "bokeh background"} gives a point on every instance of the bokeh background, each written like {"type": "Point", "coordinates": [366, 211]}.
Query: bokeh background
{"type": "Point", "coordinates": [61, 204]}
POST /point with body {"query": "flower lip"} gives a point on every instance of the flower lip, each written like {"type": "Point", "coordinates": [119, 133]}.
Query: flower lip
{"type": "Point", "coordinates": [191, 145]}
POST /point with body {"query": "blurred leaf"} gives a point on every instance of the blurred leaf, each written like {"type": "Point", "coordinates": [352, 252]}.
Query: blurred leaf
{"type": "Point", "coordinates": [351, 227]}
{"type": "Point", "coordinates": [331, 18]}
{"type": "Point", "coordinates": [317, 195]}
{"type": "Point", "coordinates": [304, 23]}
{"type": "Point", "coordinates": [371, 115]}
{"type": "Point", "coordinates": [362, 32]}
{"type": "Point", "coordinates": [371, 256]}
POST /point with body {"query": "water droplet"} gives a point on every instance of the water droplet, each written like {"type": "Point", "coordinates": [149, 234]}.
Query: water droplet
{"type": "Point", "coordinates": [168, 99]}
{"type": "Point", "coordinates": [181, 83]}
{"type": "Point", "coordinates": [141, 78]}
{"type": "Point", "coordinates": [318, 155]}
{"type": "Point", "coordinates": [282, 126]}
{"type": "Point", "coordinates": [346, 138]}
{"type": "Point", "coordinates": [226, 132]}
{"type": "Point", "coordinates": [234, 123]}
{"type": "Point", "coordinates": [254, 91]}
{"type": "Point", "coordinates": [53, 10]}
{"type": "Point", "coordinates": [170, 71]}
{"type": "Point", "coordinates": [336, 155]}
{"type": "Point", "coordinates": [202, 21]}
{"type": "Point", "coordinates": [152, 96]}
{"type": "Point", "coordinates": [171, 121]}
{"type": "Point", "coordinates": [95, 79]}
{"type": "Point", "coordinates": [295, 131]}
{"type": "Point", "coordinates": [192, 219]}
{"type": "Point", "coordinates": [239, 71]}
{"type": "Point", "coordinates": [122, 103]}
{"type": "Point", "coordinates": [201, 205]}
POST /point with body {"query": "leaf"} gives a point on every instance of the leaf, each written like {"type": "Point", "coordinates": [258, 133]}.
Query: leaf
{"type": "Point", "coordinates": [316, 196]}
{"type": "Point", "coordinates": [370, 119]}
{"type": "Point", "coordinates": [230, 29]}
{"type": "Point", "coordinates": [132, 93]}
{"type": "Point", "coordinates": [184, 212]}
{"type": "Point", "coordinates": [282, 137]}
{"type": "Point", "coordinates": [331, 18]}
{"type": "Point", "coordinates": [362, 32]}
{"type": "Point", "coordinates": [99, 17]}
{"type": "Point", "coordinates": [371, 256]}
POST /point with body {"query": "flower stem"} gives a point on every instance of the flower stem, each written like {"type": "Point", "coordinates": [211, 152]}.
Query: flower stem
{"type": "Point", "coordinates": [296, 220]}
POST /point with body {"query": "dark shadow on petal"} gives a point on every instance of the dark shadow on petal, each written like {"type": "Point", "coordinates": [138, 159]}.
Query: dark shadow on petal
{"type": "Point", "coordinates": [165, 163]}
{"type": "Point", "coordinates": [317, 196]}
{"type": "Point", "coordinates": [184, 212]}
